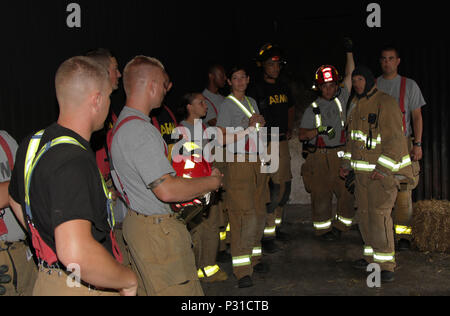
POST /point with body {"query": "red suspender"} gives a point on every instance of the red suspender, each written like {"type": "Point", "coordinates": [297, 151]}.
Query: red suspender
{"type": "Point", "coordinates": [8, 152]}
{"type": "Point", "coordinates": [402, 102]}
{"type": "Point", "coordinates": [215, 109]}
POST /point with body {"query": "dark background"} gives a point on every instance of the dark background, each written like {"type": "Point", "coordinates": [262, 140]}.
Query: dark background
{"type": "Point", "coordinates": [187, 36]}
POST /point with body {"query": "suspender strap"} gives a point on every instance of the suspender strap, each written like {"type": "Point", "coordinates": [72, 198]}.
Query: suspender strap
{"type": "Point", "coordinates": [8, 152]}
{"type": "Point", "coordinates": [402, 102]}
{"type": "Point", "coordinates": [213, 105]}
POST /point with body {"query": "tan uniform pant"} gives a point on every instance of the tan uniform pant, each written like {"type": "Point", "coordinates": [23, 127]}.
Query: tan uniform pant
{"type": "Point", "coordinates": [281, 178]}
{"type": "Point", "coordinates": [221, 209]}
{"type": "Point", "coordinates": [57, 282]}
{"type": "Point", "coordinates": [321, 178]}
{"type": "Point", "coordinates": [15, 257]}
{"type": "Point", "coordinates": [247, 195]}
{"type": "Point", "coordinates": [375, 199]}
{"type": "Point", "coordinates": [161, 255]}
{"type": "Point", "coordinates": [205, 238]}
{"type": "Point", "coordinates": [403, 209]}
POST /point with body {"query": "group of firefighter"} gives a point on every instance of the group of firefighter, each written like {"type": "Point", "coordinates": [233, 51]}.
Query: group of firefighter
{"type": "Point", "coordinates": [362, 142]}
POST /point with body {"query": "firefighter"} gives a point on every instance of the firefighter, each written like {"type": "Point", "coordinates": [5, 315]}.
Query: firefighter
{"type": "Point", "coordinates": [378, 154]}
{"type": "Point", "coordinates": [411, 101]}
{"type": "Point", "coordinates": [323, 132]}
{"type": "Point", "coordinates": [247, 185]}
{"type": "Point", "coordinates": [276, 105]}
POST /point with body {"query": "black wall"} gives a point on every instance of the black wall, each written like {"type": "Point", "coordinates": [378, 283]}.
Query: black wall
{"type": "Point", "coordinates": [188, 35]}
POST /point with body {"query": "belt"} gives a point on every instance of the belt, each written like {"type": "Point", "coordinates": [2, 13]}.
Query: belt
{"type": "Point", "coordinates": [151, 219]}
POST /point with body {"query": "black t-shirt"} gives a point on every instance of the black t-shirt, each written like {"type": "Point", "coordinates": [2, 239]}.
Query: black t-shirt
{"type": "Point", "coordinates": [65, 186]}
{"type": "Point", "coordinates": [164, 121]}
{"type": "Point", "coordinates": [274, 101]}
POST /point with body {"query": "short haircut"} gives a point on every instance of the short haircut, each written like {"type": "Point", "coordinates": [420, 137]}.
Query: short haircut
{"type": "Point", "coordinates": [102, 56]}
{"type": "Point", "coordinates": [390, 47]}
{"type": "Point", "coordinates": [235, 69]}
{"type": "Point", "coordinates": [137, 70]}
{"type": "Point", "coordinates": [186, 99]}
{"type": "Point", "coordinates": [79, 70]}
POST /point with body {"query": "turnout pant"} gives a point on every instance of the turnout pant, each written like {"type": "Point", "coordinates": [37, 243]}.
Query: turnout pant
{"type": "Point", "coordinates": [321, 178]}
{"type": "Point", "coordinates": [280, 191]}
{"type": "Point", "coordinates": [247, 196]}
{"type": "Point", "coordinates": [375, 199]}
{"type": "Point", "coordinates": [403, 208]}
{"type": "Point", "coordinates": [161, 255]}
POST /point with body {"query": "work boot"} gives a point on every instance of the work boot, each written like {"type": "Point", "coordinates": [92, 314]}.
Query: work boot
{"type": "Point", "coordinates": [223, 257]}
{"type": "Point", "coordinates": [220, 276]}
{"type": "Point", "coordinates": [403, 245]}
{"type": "Point", "coordinates": [269, 246]}
{"type": "Point", "coordinates": [360, 264]}
{"type": "Point", "coordinates": [245, 282]}
{"type": "Point", "coordinates": [261, 268]}
{"type": "Point", "coordinates": [387, 276]}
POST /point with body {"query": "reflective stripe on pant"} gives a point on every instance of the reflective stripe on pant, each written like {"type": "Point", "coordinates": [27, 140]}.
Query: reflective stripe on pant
{"type": "Point", "coordinates": [375, 199]}
{"type": "Point", "coordinates": [321, 177]}
{"type": "Point", "coordinates": [247, 214]}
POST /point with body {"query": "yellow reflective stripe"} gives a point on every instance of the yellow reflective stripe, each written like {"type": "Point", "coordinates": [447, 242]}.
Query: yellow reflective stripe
{"type": "Point", "coordinates": [228, 227]}
{"type": "Point", "coordinates": [241, 261]}
{"type": "Point", "coordinates": [347, 156]}
{"type": "Point", "coordinates": [403, 230]}
{"type": "Point", "coordinates": [346, 221]}
{"type": "Point", "coordinates": [393, 165]}
{"type": "Point", "coordinates": [247, 113]}
{"type": "Point", "coordinates": [384, 257]}
{"type": "Point", "coordinates": [362, 166]}
{"type": "Point", "coordinates": [322, 225]}
{"type": "Point", "coordinates": [257, 251]}
{"type": "Point", "coordinates": [208, 271]}
{"type": "Point", "coordinates": [360, 136]}
{"type": "Point", "coordinates": [270, 231]}
{"type": "Point", "coordinates": [318, 117]}
{"type": "Point", "coordinates": [368, 251]}
{"type": "Point", "coordinates": [223, 236]}
{"type": "Point", "coordinates": [278, 221]}
{"type": "Point", "coordinates": [341, 111]}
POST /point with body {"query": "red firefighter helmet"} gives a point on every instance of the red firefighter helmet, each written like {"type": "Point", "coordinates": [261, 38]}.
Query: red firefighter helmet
{"type": "Point", "coordinates": [190, 167]}
{"type": "Point", "coordinates": [326, 74]}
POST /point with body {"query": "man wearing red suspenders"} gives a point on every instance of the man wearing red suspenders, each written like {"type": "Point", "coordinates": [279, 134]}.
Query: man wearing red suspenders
{"type": "Point", "coordinates": [59, 195]}
{"type": "Point", "coordinates": [411, 101]}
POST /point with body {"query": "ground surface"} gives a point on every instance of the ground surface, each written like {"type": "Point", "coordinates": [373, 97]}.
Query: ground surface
{"type": "Point", "coordinates": [307, 266]}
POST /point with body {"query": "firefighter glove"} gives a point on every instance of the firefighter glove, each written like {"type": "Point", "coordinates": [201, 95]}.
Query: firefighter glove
{"type": "Point", "coordinates": [328, 131]}
{"type": "Point", "coordinates": [4, 278]}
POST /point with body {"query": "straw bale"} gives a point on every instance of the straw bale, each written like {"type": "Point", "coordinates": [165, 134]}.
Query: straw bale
{"type": "Point", "coordinates": [431, 226]}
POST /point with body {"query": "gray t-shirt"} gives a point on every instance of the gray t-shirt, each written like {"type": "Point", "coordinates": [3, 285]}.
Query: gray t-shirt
{"type": "Point", "coordinates": [413, 96]}
{"type": "Point", "coordinates": [330, 117]}
{"type": "Point", "coordinates": [214, 102]}
{"type": "Point", "coordinates": [15, 231]}
{"type": "Point", "coordinates": [230, 115]}
{"type": "Point", "coordinates": [139, 157]}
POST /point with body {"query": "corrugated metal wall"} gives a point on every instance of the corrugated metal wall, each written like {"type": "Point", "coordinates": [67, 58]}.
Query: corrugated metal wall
{"type": "Point", "coordinates": [35, 41]}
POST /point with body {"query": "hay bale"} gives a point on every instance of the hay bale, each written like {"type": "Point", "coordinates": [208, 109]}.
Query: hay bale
{"type": "Point", "coordinates": [431, 226]}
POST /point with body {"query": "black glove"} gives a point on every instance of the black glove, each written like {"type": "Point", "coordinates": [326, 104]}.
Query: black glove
{"type": "Point", "coordinates": [4, 278]}
{"type": "Point", "coordinates": [348, 45]}
{"type": "Point", "coordinates": [350, 182]}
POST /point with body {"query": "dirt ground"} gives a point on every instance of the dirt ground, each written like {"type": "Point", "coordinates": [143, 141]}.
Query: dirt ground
{"type": "Point", "coordinates": [307, 266]}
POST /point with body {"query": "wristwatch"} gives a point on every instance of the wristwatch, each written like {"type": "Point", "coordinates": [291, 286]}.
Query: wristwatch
{"type": "Point", "coordinates": [418, 144]}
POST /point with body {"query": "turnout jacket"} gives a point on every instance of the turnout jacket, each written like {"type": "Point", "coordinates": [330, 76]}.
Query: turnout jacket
{"type": "Point", "coordinates": [376, 138]}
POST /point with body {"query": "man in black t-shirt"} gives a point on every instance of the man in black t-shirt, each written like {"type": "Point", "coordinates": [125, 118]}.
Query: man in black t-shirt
{"type": "Point", "coordinates": [276, 105]}
{"type": "Point", "coordinates": [67, 213]}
